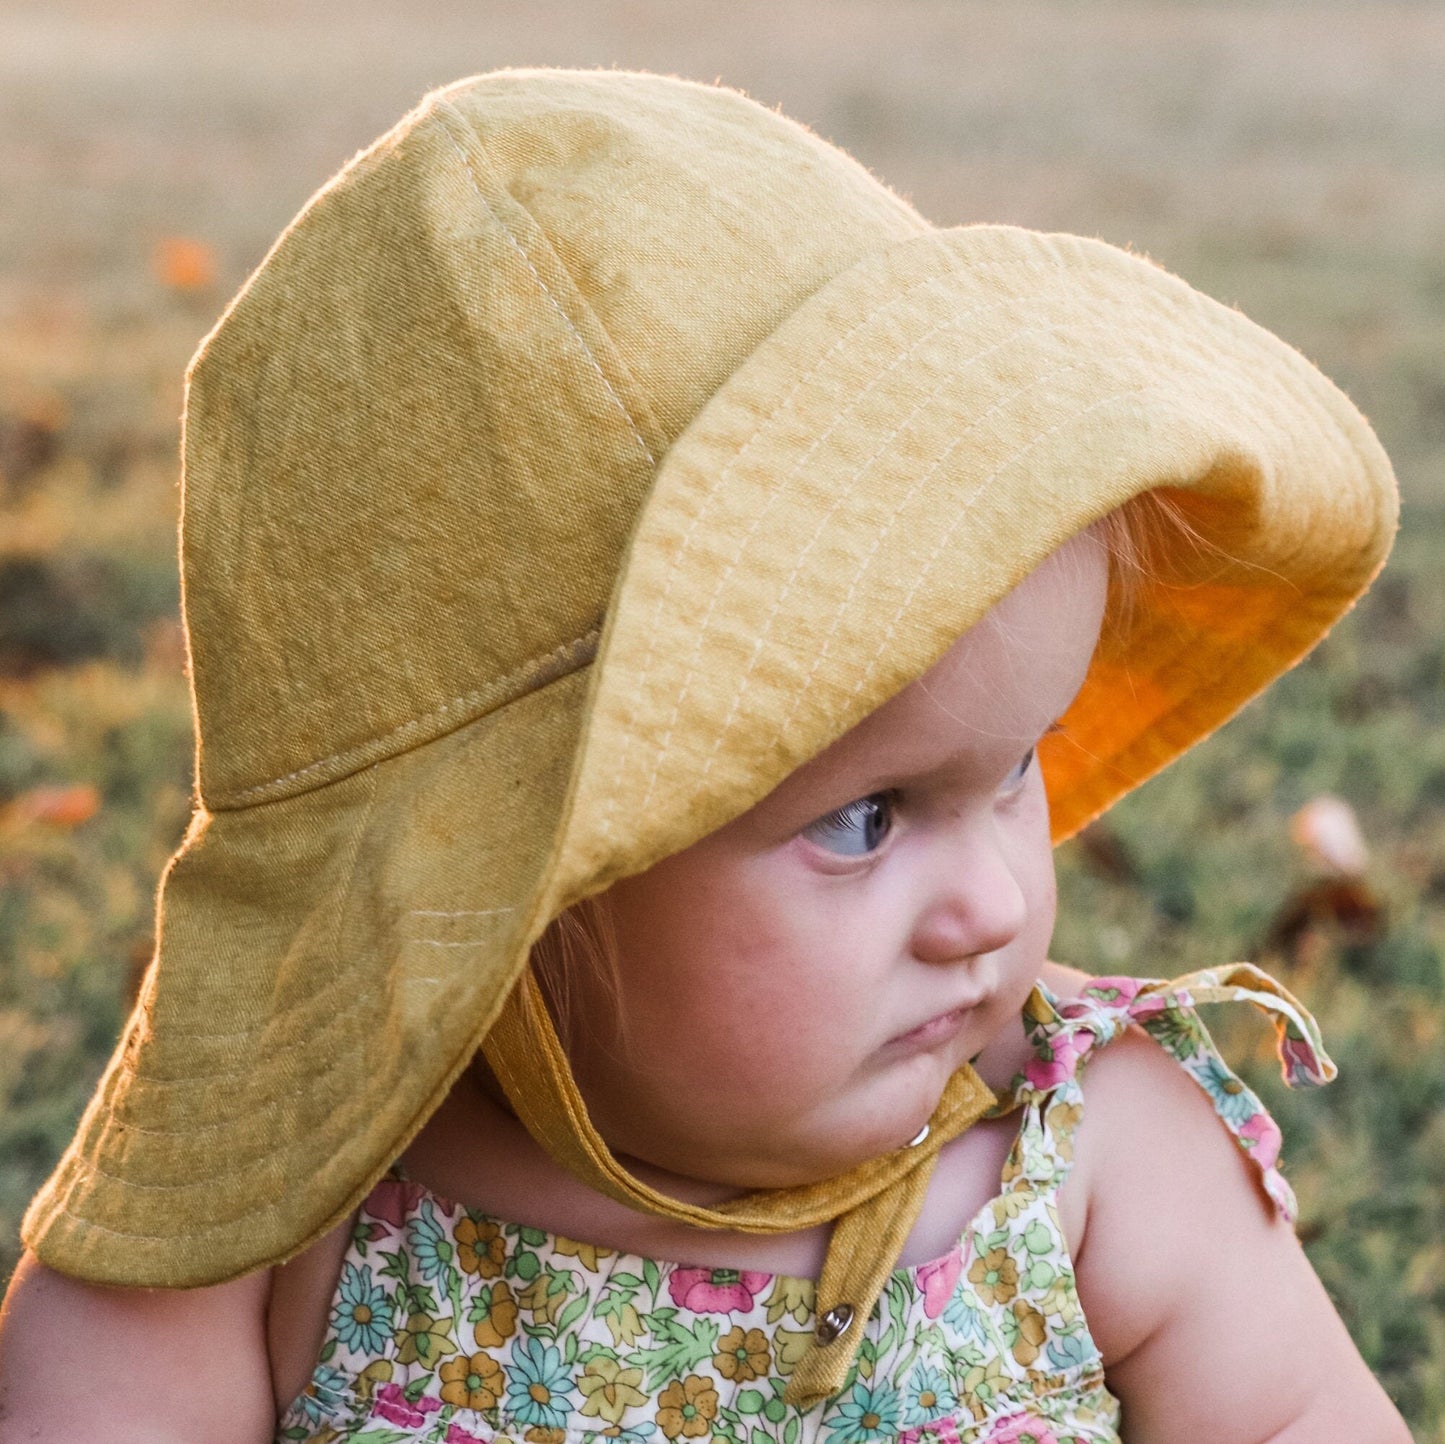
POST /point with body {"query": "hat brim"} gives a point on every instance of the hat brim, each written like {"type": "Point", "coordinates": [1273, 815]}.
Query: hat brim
{"type": "Point", "coordinates": [896, 456]}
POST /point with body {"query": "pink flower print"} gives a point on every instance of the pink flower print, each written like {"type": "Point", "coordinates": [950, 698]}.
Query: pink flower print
{"type": "Point", "coordinates": [1301, 1062]}
{"type": "Point", "coordinates": [1124, 990]}
{"type": "Point", "coordinates": [393, 1405]}
{"type": "Point", "coordinates": [940, 1431]}
{"type": "Point", "coordinates": [1020, 1429]}
{"type": "Point", "coordinates": [457, 1435]}
{"type": "Point", "coordinates": [716, 1291]}
{"type": "Point", "coordinates": [1263, 1136]}
{"type": "Point", "coordinates": [1149, 1007]}
{"type": "Point", "coordinates": [938, 1280]}
{"type": "Point", "coordinates": [1064, 1053]}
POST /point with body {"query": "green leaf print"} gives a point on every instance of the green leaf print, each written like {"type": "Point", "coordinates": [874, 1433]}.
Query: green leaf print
{"type": "Point", "coordinates": [896, 1296]}
{"type": "Point", "coordinates": [523, 1265]}
{"type": "Point", "coordinates": [1040, 1274]}
{"type": "Point", "coordinates": [867, 1358]}
{"type": "Point", "coordinates": [760, 1436]}
{"type": "Point", "coordinates": [791, 1430]}
{"type": "Point", "coordinates": [654, 1279]}
{"type": "Point", "coordinates": [417, 1299]}
{"type": "Point", "coordinates": [750, 1401]}
{"type": "Point", "coordinates": [395, 1267]}
{"type": "Point", "coordinates": [572, 1313]}
{"type": "Point", "coordinates": [533, 1236]}
{"type": "Point", "coordinates": [624, 1280]}
{"type": "Point", "coordinates": [679, 1349]}
{"type": "Point", "coordinates": [1038, 1238]}
{"type": "Point", "coordinates": [380, 1436]}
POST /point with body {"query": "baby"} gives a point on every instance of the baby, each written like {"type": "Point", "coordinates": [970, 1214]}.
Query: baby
{"type": "Point", "coordinates": [653, 604]}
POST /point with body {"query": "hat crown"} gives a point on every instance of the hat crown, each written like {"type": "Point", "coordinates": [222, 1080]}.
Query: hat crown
{"type": "Point", "coordinates": [418, 440]}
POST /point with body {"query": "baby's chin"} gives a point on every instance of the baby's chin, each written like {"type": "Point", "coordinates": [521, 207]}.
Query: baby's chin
{"type": "Point", "coordinates": [726, 1170]}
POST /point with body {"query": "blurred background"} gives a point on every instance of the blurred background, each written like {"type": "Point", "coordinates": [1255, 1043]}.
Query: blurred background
{"type": "Point", "coordinates": [1288, 158]}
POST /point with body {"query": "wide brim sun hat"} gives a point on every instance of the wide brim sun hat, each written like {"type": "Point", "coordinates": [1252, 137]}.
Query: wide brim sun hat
{"type": "Point", "coordinates": [590, 452]}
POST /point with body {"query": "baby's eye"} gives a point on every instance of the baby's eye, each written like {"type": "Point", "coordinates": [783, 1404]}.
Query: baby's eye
{"type": "Point", "coordinates": [1018, 772]}
{"type": "Point", "coordinates": [854, 829]}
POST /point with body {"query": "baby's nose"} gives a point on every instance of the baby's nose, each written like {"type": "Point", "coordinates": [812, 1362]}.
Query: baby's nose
{"type": "Point", "coordinates": [979, 906]}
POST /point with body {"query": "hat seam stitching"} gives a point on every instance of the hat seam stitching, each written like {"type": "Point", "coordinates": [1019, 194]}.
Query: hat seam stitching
{"type": "Point", "coordinates": [583, 646]}
{"type": "Point", "coordinates": [1265, 419]}
{"type": "Point", "coordinates": [879, 533]}
{"type": "Point", "coordinates": [941, 250]}
{"type": "Point", "coordinates": [445, 108]}
{"type": "Point", "coordinates": [1210, 323]}
{"type": "Point", "coordinates": [675, 570]}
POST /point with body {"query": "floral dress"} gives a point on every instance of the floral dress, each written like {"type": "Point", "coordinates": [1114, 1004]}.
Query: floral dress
{"type": "Point", "coordinates": [450, 1326]}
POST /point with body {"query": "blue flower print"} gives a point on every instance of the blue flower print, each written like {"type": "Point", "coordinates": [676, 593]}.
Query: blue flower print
{"type": "Point", "coordinates": [537, 1386]}
{"type": "Point", "coordinates": [430, 1246]}
{"type": "Point", "coordinates": [362, 1316]}
{"type": "Point", "coordinates": [964, 1317]}
{"type": "Point", "coordinates": [322, 1395]}
{"type": "Point", "coordinates": [639, 1433]}
{"type": "Point", "coordinates": [871, 1413]}
{"type": "Point", "coordinates": [1232, 1100]}
{"type": "Point", "coordinates": [927, 1396]}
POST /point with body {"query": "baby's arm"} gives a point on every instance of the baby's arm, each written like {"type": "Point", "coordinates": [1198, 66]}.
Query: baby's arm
{"type": "Point", "coordinates": [1211, 1321]}
{"type": "Point", "coordinates": [133, 1366]}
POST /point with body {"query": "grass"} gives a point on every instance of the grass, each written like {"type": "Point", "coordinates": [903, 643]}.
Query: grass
{"type": "Point", "coordinates": [1283, 157]}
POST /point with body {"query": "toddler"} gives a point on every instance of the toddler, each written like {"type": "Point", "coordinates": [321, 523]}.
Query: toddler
{"type": "Point", "coordinates": [653, 602]}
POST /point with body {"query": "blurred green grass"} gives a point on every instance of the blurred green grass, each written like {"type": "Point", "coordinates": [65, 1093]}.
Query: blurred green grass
{"type": "Point", "coordinates": [1283, 157]}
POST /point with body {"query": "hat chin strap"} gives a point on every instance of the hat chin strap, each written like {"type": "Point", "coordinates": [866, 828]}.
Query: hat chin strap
{"type": "Point", "coordinates": [873, 1206]}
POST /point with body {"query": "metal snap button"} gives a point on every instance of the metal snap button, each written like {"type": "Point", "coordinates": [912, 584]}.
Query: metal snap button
{"type": "Point", "coordinates": [834, 1324]}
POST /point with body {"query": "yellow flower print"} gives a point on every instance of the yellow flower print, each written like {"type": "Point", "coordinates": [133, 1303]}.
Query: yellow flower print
{"type": "Point", "coordinates": [1063, 1119]}
{"type": "Point", "coordinates": [995, 1276]}
{"type": "Point", "coordinates": [982, 1386]}
{"type": "Point", "coordinates": [1010, 1205]}
{"type": "Point", "coordinates": [610, 1390]}
{"type": "Point", "coordinates": [687, 1407]}
{"type": "Point", "coordinates": [481, 1249]}
{"type": "Point", "coordinates": [624, 1325]}
{"type": "Point", "coordinates": [1059, 1301]}
{"type": "Point", "coordinates": [493, 1315]}
{"type": "Point", "coordinates": [475, 1383]}
{"type": "Point", "coordinates": [585, 1253]}
{"type": "Point", "coordinates": [424, 1338]}
{"type": "Point", "coordinates": [379, 1371]}
{"type": "Point", "coordinates": [545, 1297]}
{"type": "Point", "coordinates": [1032, 1331]}
{"type": "Point", "coordinates": [790, 1346]}
{"type": "Point", "coordinates": [742, 1356]}
{"type": "Point", "coordinates": [790, 1296]}
{"type": "Point", "coordinates": [538, 1435]}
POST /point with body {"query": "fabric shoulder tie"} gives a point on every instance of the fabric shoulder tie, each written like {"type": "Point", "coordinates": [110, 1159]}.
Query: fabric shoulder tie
{"type": "Point", "coordinates": [1066, 1032]}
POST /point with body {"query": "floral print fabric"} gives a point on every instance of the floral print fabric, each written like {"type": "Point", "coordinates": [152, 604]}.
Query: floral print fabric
{"type": "Point", "coordinates": [449, 1326]}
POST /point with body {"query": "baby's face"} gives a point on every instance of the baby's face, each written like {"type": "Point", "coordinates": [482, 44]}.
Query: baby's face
{"type": "Point", "coordinates": [797, 987]}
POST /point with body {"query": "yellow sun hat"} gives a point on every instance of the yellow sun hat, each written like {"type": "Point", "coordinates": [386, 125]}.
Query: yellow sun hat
{"type": "Point", "coordinates": [590, 452]}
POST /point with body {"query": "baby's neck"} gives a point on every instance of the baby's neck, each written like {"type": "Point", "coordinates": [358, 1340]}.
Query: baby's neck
{"type": "Point", "coordinates": [475, 1152]}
